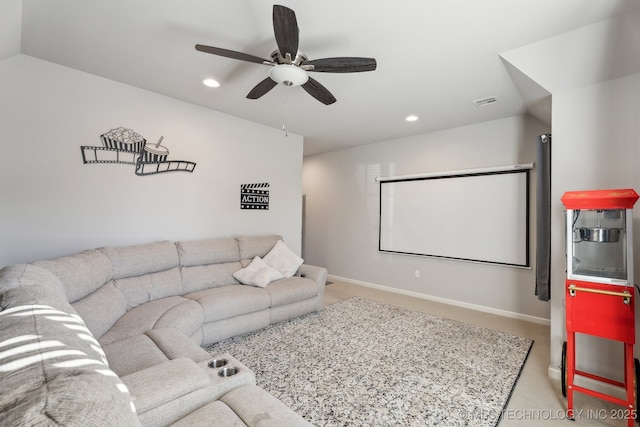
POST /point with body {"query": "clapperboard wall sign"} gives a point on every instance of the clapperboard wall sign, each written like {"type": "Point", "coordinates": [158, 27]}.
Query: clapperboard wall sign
{"type": "Point", "coordinates": [254, 196]}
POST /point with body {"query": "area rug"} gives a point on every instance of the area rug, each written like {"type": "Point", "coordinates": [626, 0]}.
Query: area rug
{"type": "Point", "coordinates": [362, 363]}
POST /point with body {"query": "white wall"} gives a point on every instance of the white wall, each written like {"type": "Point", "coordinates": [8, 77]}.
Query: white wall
{"type": "Point", "coordinates": [10, 28]}
{"type": "Point", "coordinates": [599, 52]}
{"type": "Point", "coordinates": [596, 145]}
{"type": "Point", "coordinates": [592, 73]}
{"type": "Point", "coordinates": [342, 208]}
{"type": "Point", "coordinates": [54, 204]}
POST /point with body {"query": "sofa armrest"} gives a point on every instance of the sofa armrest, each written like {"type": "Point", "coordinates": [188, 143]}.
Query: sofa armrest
{"type": "Point", "coordinates": [175, 344]}
{"type": "Point", "coordinates": [317, 274]}
{"type": "Point", "coordinates": [160, 384]}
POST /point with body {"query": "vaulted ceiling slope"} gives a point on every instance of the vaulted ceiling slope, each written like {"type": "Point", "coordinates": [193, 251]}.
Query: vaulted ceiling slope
{"type": "Point", "coordinates": [434, 56]}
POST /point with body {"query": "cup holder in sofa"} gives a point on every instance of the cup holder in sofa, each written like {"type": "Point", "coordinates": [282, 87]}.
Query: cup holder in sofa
{"type": "Point", "coordinates": [217, 363]}
{"type": "Point", "coordinates": [228, 371]}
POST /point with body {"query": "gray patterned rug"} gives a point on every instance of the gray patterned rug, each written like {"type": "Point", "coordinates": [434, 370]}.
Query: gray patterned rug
{"type": "Point", "coordinates": [362, 363]}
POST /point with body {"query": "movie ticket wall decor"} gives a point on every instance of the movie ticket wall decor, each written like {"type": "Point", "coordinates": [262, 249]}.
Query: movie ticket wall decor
{"type": "Point", "coordinates": [254, 196]}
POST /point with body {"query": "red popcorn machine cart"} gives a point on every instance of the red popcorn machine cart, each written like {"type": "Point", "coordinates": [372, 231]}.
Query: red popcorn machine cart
{"type": "Point", "coordinates": [599, 294]}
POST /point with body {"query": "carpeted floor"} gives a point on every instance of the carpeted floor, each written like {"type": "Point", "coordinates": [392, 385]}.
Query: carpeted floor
{"type": "Point", "coordinates": [362, 363]}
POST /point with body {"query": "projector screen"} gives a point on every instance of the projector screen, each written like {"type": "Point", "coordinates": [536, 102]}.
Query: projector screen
{"type": "Point", "coordinates": [481, 217]}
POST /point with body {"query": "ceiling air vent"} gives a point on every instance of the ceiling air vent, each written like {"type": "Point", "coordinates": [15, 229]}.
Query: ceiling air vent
{"type": "Point", "coordinates": [485, 101]}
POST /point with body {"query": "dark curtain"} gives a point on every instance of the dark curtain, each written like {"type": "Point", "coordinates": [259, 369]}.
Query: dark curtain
{"type": "Point", "coordinates": [543, 218]}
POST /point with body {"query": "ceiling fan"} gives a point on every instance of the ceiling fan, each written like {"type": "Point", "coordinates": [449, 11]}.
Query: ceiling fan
{"type": "Point", "coordinates": [290, 66]}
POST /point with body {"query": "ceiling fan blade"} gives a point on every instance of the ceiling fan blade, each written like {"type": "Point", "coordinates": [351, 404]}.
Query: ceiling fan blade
{"type": "Point", "coordinates": [341, 65]}
{"type": "Point", "coordinates": [318, 91]}
{"type": "Point", "coordinates": [285, 28]}
{"type": "Point", "coordinates": [261, 88]}
{"type": "Point", "coordinates": [232, 54]}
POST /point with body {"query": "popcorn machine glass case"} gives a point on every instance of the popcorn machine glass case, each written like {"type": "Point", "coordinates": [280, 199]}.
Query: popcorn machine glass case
{"type": "Point", "coordinates": [599, 249]}
{"type": "Point", "coordinates": [599, 236]}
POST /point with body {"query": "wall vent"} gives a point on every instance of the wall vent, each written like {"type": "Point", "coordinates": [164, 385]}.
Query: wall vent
{"type": "Point", "coordinates": [485, 101]}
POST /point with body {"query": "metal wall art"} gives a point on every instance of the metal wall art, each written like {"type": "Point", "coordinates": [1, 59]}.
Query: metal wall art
{"type": "Point", "coordinates": [125, 146]}
{"type": "Point", "coordinates": [254, 196]}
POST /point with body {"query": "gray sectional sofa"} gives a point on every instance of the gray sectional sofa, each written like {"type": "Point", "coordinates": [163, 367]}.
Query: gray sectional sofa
{"type": "Point", "coordinates": [115, 336]}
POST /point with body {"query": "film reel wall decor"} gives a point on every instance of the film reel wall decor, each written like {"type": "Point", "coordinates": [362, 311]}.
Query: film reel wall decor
{"type": "Point", "coordinates": [125, 146]}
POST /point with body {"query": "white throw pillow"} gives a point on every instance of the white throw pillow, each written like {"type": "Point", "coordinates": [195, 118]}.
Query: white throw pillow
{"type": "Point", "coordinates": [282, 259]}
{"type": "Point", "coordinates": [257, 273]}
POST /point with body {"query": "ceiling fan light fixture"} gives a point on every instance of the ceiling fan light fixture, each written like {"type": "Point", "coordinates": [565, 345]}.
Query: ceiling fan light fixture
{"type": "Point", "coordinates": [288, 75]}
{"type": "Point", "coordinates": [411, 118]}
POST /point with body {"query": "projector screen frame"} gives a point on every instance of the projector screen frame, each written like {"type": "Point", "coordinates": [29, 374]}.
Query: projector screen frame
{"type": "Point", "coordinates": [470, 173]}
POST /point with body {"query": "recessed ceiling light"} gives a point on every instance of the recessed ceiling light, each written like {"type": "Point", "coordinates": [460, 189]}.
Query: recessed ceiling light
{"type": "Point", "coordinates": [211, 83]}
{"type": "Point", "coordinates": [411, 118]}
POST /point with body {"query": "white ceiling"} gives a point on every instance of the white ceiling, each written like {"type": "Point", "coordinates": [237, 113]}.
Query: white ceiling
{"type": "Point", "coordinates": [434, 56]}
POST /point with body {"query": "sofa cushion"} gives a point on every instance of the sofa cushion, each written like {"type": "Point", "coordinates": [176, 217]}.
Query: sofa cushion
{"type": "Point", "coordinates": [293, 289]}
{"type": "Point", "coordinates": [203, 252]}
{"type": "Point", "coordinates": [197, 278]}
{"type": "Point", "coordinates": [57, 373]}
{"type": "Point", "coordinates": [257, 408]}
{"type": "Point", "coordinates": [253, 246]}
{"type": "Point", "coordinates": [176, 409]}
{"type": "Point", "coordinates": [81, 273]}
{"type": "Point", "coordinates": [148, 287]}
{"type": "Point", "coordinates": [257, 273]}
{"type": "Point", "coordinates": [186, 317]}
{"type": "Point", "coordinates": [101, 309]}
{"type": "Point", "coordinates": [282, 259]}
{"type": "Point", "coordinates": [219, 330]}
{"type": "Point", "coordinates": [129, 261]}
{"type": "Point", "coordinates": [229, 301]}
{"type": "Point", "coordinates": [157, 346]}
{"type": "Point", "coordinates": [133, 354]}
{"type": "Point", "coordinates": [168, 391]}
{"type": "Point", "coordinates": [217, 410]}
{"type": "Point", "coordinates": [147, 316]}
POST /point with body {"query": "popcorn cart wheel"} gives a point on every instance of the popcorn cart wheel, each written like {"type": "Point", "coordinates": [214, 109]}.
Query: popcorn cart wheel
{"type": "Point", "coordinates": [563, 370]}
{"type": "Point", "coordinates": [636, 378]}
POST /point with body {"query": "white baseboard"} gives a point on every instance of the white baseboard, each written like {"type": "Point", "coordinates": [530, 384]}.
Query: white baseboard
{"type": "Point", "coordinates": [553, 373]}
{"type": "Point", "coordinates": [482, 308]}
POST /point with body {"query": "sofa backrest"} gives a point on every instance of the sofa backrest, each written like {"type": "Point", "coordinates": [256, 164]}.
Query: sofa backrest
{"type": "Point", "coordinates": [55, 369]}
{"type": "Point", "coordinates": [253, 246]}
{"type": "Point", "coordinates": [211, 263]}
{"type": "Point", "coordinates": [81, 273]}
{"type": "Point", "coordinates": [131, 261]}
{"type": "Point", "coordinates": [140, 273]}
{"type": "Point", "coordinates": [123, 277]}
{"type": "Point", "coordinates": [208, 263]}
{"type": "Point", "coordinates": [102, 308]}
{"type": "Point", "coordinates": [128, 276]}
{"type": "Point", "coordinates": [24, 284]}
{"type": "Point", "coordinates": [146, 272]}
